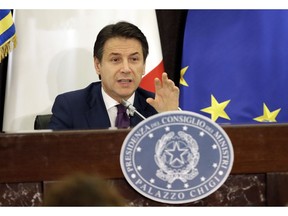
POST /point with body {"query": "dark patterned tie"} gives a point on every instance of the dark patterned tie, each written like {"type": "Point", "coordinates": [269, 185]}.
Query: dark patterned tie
{"type": "Point", "coordinates": [122, 119]}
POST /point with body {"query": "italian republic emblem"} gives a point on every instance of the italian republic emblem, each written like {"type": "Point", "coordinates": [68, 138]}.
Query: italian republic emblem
{"type": "Point", "coordinates": [176, 157]}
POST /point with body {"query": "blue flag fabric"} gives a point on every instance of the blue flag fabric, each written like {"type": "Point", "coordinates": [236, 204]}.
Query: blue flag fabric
{"type": "Point", "coordinates": [235, 65]}
{"type": "Point", "coordinates": [7, 33]}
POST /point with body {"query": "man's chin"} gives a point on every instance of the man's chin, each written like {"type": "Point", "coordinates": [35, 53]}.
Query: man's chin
{"type": "Point", "coordinates": [126, 95]}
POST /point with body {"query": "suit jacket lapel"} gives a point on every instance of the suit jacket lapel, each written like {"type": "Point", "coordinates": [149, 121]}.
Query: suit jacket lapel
{"type": "Point", "coordinates": [142, 107]}
{"type": "Point", "coordinates": [97, 116]}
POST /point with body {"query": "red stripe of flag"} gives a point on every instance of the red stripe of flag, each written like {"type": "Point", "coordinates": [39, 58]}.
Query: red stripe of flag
{"type": "Point", "coordinates": [147, 82]}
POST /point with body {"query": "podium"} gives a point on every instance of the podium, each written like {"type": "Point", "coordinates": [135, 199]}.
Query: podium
{"type": "Point", "coordinates": [29, 162]}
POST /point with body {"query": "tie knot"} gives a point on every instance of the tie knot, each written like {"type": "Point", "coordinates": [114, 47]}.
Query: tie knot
{"type": "Point", "coordinates": [121, 108]}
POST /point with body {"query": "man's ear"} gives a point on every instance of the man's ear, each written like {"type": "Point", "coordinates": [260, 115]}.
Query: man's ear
{"type": "Point", "coordinates": [144, 69]}
{"type": "Point", "coordinates": [97, 65]}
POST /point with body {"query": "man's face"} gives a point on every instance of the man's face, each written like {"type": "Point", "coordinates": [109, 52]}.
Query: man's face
{"type": "Point", "coordinates": [121, 68]}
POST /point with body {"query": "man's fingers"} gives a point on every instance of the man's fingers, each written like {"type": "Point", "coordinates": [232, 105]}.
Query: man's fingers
{"type": "Point", "coordinates": [166, 82]}
{"type": "Point", "coordinates": [151, 102]}
{"type": "Point", "coordinates": [157, 84]}
{"type": "Point", "coordinates": [164, 79]}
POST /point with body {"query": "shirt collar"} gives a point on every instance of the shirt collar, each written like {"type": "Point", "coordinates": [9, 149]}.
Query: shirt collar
{"type": "Point", "coordinates": [110, 102]}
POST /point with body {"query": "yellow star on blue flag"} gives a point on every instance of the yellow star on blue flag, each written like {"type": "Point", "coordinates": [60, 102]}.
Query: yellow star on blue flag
{"type": "Point", "coordinates": [217, 109]}
{"type": "Point", "coordinates": [267, 115]}
{"type": "Point", "coordinates": [182, 80]}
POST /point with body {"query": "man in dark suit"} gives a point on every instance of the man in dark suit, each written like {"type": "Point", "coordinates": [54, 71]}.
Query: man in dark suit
{"type": "Point", "coordinates": [120, 53]}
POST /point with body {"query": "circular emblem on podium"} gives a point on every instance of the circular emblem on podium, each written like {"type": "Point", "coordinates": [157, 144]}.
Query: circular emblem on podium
{"type": "Point", "coordinates": [176, 157]}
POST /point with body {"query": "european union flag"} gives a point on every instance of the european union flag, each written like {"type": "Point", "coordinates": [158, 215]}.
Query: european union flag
{"type": "Point", "coordinates": [235, 65]}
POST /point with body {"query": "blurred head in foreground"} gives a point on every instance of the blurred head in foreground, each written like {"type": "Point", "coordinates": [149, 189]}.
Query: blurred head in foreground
{"type": "Point", "coordinates": [82, 190]}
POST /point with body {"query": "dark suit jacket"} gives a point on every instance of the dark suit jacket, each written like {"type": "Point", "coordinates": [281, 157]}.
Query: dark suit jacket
{"type": "Point", "coordinates": [85, 109]}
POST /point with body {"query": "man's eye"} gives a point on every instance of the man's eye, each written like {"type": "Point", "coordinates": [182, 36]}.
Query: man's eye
{"type": "Point", "coordinates": [134, 58]}
{"type": "Point", "coordinates": [115, 59]}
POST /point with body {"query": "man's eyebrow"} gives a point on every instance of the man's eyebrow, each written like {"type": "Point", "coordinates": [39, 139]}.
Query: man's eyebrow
{"type": "Point", "coordinates": [135, 53]}
{"type": "Point", "coordinates": [113, 53]}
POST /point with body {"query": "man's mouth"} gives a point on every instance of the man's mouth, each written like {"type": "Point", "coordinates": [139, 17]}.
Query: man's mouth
{"type": "Point", "coordinates": [124, 80]}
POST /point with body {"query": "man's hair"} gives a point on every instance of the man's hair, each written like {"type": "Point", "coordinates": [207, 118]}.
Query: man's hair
{"type": "Point", "coordinates": [120, 29]}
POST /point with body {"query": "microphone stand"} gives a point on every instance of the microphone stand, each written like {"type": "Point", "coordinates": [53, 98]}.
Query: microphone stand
{"type": "Point", "coordinates": [132, 109]}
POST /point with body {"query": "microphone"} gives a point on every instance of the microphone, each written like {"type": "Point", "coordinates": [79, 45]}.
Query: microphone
{"type": "Point", "coordinates": [131, 109]}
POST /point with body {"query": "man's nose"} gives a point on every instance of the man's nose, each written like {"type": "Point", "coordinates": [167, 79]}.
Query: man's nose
{"type": "Point", "coordinates": [125, 66]}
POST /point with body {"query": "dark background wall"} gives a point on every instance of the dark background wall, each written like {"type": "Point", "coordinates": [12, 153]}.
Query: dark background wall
{"type": "Point", "coordinates": [171, 27]}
